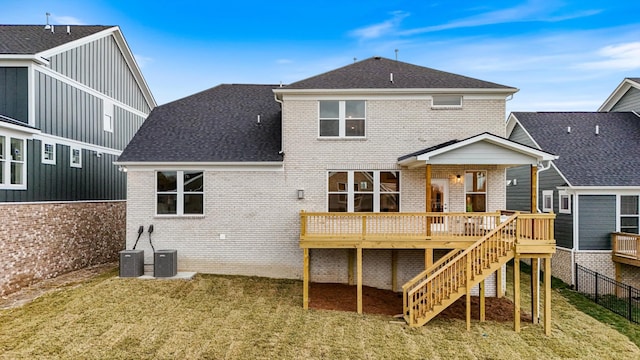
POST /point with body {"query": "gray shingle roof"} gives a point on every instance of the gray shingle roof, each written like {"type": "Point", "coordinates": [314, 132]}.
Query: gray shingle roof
{"type": "Point", "coordinates": [32, 39]}
{"type": "Point", "coordinates": [215, 125]}
{"type": "Point", "coordinates": [611, 158]}
{"type": "Point", "coordinates": [374, 73]}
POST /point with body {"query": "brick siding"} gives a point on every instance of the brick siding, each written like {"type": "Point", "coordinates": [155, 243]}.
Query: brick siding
{"type": "Point", "coordinates": [43, 240]}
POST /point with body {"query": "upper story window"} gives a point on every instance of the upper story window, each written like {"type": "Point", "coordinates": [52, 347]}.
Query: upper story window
{"type": "Point", "coordinates": [342, 118]}
{"type": "Point", "coordinates": [48, 153]}
{"type": "Point", "coordinates": [179, 193]}
{"type": "Point", "coordinates": [108, 115]}
{"type": "Point", "coordinates": [364, 191]}
{"type": "Point", "coordinates": [13, 168]}
{"type": "Point", "coordinates": [475, 186]}
{"type": "Point", "coordinates": [75, 157]}
{"type": "Point", "coordinates": [446, 101]}
{"type": "Point", "coordinates": [629, 214]}
{"type": "Point", "coordinates": [564, 202]}
{"type": "Point", "coordinates": [547, 201]}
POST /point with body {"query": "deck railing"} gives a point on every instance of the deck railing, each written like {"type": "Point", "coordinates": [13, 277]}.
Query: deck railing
{"type": "Point", "coordinates": [394, 226]}
{"type": "Point", "coordinates": [626, 245]}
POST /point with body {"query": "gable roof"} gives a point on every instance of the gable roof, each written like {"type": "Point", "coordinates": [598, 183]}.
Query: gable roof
{"type": "Point", "coordinates": [216, 125]}
{"type": "Point", "coordinates": [609, 158]}
{"type": "Point", "coordinates": [32, 39]}
{"type": "Point", "coordinates": [510, 152]}
{"type": "Point", "coordinates": [619, 92]}
{"type": "Point", "coordinates": [378, 73]}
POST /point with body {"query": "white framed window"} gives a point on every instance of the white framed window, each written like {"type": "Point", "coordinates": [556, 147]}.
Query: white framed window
{"type": "Point", "coordinates": [179, 193]}
{"type": "Point", "coordinates": [75, 157]}
{"type": "Point", "coordinates": [48, 153]}
{"type": "Point", "coordinates": [363, 191]}
{"type": "Point", "coordinates": [108, 115]}
{"type": "Point", "coordinates": [342, 118]}
{"type": "Point", "coordinates": [475, 188]}
{"type": "Point", "coordinates": [13, 162]}
{"type": "Point", "coordinates": [446, 101]}
{"type": "Point", "coordinates": [564, 202]}
{"type": "Point", "coordinates": [629, 214]}
{"type": "Point", "coordinates": [547, 200]}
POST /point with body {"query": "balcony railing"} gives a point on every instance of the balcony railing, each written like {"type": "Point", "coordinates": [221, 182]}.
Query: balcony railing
{"type": "Point", "coordinates": [626, 245]}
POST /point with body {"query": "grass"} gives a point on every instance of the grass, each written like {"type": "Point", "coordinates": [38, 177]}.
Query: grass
{"type": "Point", "coordinates": [232, 317]}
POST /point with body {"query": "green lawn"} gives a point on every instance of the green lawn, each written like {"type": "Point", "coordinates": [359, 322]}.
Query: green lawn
{"type": "Point", "coordinates": [233, 317]}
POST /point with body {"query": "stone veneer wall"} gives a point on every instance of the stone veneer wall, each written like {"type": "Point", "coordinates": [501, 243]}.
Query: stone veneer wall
{"type": "Point", "coordinates": [43, 240]}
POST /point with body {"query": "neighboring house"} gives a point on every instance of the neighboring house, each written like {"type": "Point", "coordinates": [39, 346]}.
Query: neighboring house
{"type": "Point", "coordinates": [223, 174]}
{"type": "Point", "coordinates": [593, 187]}
{"type": "Point", "coordinates": [71, 98]}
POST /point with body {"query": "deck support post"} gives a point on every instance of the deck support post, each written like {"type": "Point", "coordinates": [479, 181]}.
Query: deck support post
{"type": "Point", "coordinates": [516, 294]}
{"type": "Point", "coordinates": [305, 279]}
{"type": "Point", "coordinates": [618, 276]}
{"type": "Point", "coordinates": [547, 296]}
{"type": "Point", "coordinates": [468, 294]}
{"type": "Point", "coordinates": [359, 275]}
{"type": "Point", "coordinates": [351, 259]}
{"type": "Point", "coordinates": [394, 270]}
{"type": "Point", "coordinates": [535, 291]}
{"type": "Point", "coordinates": [482, 301]}
{"type": "Point", "coordinates": [534, 189]}
{"type": "Point", "coordinates": [499, 284]}
{"type": "Point", "coordinates": [428, 258]}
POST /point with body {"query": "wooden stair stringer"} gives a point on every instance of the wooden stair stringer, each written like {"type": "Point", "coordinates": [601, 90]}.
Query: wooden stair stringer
{"type": "Point", "coordinates": [461, 291]}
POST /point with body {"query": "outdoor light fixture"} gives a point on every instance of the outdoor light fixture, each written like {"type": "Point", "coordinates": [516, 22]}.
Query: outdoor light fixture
{"type": "Point", "coordinates": [458, 179]}
{"type": "Point", "coordinates": [300, 194]}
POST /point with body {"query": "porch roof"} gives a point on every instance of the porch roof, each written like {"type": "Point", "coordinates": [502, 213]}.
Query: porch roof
{"type": "Point", "coordinates": [481, 149]}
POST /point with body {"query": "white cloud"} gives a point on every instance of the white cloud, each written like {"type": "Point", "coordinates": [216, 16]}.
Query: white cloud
{"type": "Point", "coordinates": [142, 60]}
{"type": "Point", "coordinates": [284, 61]}
{"type": "Point", "coordinates": [617, 57]}
{"type": "Point", "coordinates": [381, 29]}
{"type": "Point", "coordinates": [66, 20]}
{"type": "Point", "coordinates": [534, 10]}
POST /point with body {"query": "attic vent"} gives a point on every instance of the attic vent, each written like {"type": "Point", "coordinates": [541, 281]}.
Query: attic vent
{"type": "Point", "coordinates": [597, 129]}
{"type": "Point", "coordinates": [568, 129]}
{"type": "Point", "coordinates": [377, 57]}
{"type": "Point", "coordinates": [47, 26]}
{"type": "Point", "coordinates": [391, 77]}
{"type": "Point", "coordinates": [68, 29]}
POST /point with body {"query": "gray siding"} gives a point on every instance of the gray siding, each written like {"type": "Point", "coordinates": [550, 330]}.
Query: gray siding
{"type": "Point", "coordinates": [101, 66]}
{"type": "Point", "coordinates": [14, 99]}
{"type": "Point", "coordinates": [597, 220]}
{"type": "Point", "coordinates": [563, 226]}
{"type": "Point", "coordinates": [519, 195]}
{"type": "Point", "coordinates": [68, 112]}
{"type": "Point", "coordinates": [629, 101]}
{"type": "Point", "coordinates": [519, 135]}
{"type": "Point", "coordinates": [98, 179]}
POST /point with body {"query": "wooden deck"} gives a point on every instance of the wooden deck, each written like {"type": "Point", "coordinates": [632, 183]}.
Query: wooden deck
{"type": "Point", "coordinates": [625, 248]}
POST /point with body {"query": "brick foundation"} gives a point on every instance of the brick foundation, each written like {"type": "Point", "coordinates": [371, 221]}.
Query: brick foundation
{"type": "Point", "coordinates": [43, 240]}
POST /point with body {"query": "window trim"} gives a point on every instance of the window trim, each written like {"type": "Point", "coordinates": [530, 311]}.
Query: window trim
{"type": "Point", "coordinates": [107, 119]}
{"type": "Point", "coordinates": [43, 152]}
{"type": "Point", "coordinates": [485, 192]}
{"type": "Point", "coordinates": [547, 194]}
{"type": "Point", "coordinates": [72, 163]}
{"type": "Point", "coordinates": [562, 194]}
{"type": "Point", "coordinates": [180, 193]}
{"type": "Point", "coordinates": [621, 215]}
{"type": "Point", "coordinates": [5, 183]}
{"type": "Point", "coordinates": [350, 191]}
{"type": "Point", "coordinates": [443, 106]}
{"type": "Point", "coordinates": [342, 120]}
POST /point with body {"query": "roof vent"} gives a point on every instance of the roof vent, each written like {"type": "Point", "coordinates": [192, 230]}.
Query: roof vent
{"type": "Point", "coordinates": [69, 29]}
{"type": "Point", "coordinates": [568, 129]}
{"type": "Point", "coordinates": [377, 57]}
{"type": "Point", "coordinates": [391, 77]}
{"type": "Point", "coordinates": [47, 27]}
{"type": "Point", "coordinates": [597, 129]}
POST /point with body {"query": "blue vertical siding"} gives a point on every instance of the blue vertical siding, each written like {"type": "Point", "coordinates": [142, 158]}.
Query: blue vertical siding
{"type": "Point", "coordinates": [597, 220]}
{"type": "Point", "coordinates": [14, 99]}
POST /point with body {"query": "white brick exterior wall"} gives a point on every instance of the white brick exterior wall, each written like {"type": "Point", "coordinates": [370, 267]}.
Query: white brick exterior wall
{"type": "Point", "coordinates": [258, 211]}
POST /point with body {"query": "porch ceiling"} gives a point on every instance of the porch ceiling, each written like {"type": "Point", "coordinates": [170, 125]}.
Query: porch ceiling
{"type": "Point", "coordinates": [482, 149]}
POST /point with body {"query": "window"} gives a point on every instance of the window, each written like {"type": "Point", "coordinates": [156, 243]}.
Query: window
{"type": "Point", "coordinates": [564, 202]}
{"type": "Point", "coordinates": [547, 201]}
{"type": "Point", "coordinates": [629, 214]}
{"type": "Point", "coordinates": [108, 115]}
{"type": "Point", "coordinates": [75, 158]}
{"type": "Point", "coordinates": [13, 169]}
{"type": "Point", "coordinates": [475, 186]}
{"type": "Point", "coordinates": [48, 153]}
{"type": "Point", "coordinates": [364, 191]}
{"type": "Point", "coordinates": [342, 118]}
{"type": "Point", "coordinates": [179, 193]}
{"type": "Point", "coordinates": [446, 101]}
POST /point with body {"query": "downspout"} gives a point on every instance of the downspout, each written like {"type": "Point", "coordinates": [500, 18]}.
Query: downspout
{"type": "Point", "coordinates": [540, 169]}
{"type": "Point", "coordinates": [281, 152]}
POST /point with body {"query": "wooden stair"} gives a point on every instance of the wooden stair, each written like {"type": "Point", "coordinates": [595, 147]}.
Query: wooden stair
{"type": "Point", "coordinates": [451, 277]}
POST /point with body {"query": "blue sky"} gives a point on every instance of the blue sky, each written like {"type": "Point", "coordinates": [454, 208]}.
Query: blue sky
{"type": "Point", "coordinates": [562, 55]}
